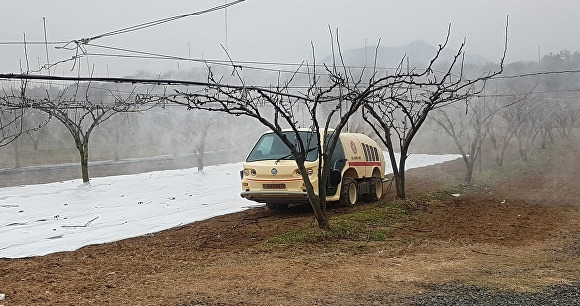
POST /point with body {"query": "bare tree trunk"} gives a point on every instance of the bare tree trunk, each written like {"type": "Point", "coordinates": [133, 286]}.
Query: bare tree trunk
{"type": "Point", "coordinates": [544, 138]}
{"type": "Point", "coordinates": [17, 149]}
{"type": "Point", "coordinates": [199, 157]}
{"type": "Point", "coordinates": [400, 178]}
{"type": "Point", "coordinates": [35, 141]}
{"type": "Point", "coordinates": [116, 148]}
{"type": "Point", "coordinates": [200, 149]}
{"type": "Point", "coordinates": [503, 148]}
{"type": "Point", "coordinates": [469, 173]}
{"type": "Point", "coordinates": [83, 148]}
{"type": "Point", "coordinates": [318, 202]}
{"type": "Point", "coordinates": [521, 149]}
{"type": "Point", "coordinates": [321, 218]}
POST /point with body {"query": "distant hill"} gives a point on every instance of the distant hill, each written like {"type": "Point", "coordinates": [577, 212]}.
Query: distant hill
{"type": "Point", "coordinates": [419, 54]}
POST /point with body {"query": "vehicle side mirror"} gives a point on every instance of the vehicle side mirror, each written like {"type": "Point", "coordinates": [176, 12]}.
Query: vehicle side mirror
{"type": "Point", "coordinates": [335, 177]}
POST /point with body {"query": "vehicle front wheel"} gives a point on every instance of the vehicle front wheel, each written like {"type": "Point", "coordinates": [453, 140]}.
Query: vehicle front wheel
{"type": "Point", "coordinates": [348, 192]}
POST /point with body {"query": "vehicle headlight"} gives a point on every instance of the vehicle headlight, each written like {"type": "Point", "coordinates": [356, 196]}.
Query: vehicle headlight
{"type": "Point", "coordinates": [253, 171]}
{"type": "Point", "coordinates": [246, 172]}
{"type": "Point", "coordinates": [309, 171]}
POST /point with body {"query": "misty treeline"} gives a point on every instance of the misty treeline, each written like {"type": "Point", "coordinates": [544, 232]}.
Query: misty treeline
{"type": "Point", "coordinates": [60, 122]}
{"type": "Point", "coordinates": [531, 106]}
{"type": "Point", "coordinates": [123, 135]}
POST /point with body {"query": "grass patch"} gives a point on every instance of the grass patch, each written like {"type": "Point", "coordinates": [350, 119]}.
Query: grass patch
{"type": "Point", "coordinates": [372, 223]}
{"type": "Point", "coordinates": [299, 235]}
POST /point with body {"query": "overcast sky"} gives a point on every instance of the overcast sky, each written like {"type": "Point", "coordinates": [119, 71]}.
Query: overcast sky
{"type": "Point", "coordinates": [281, 30]}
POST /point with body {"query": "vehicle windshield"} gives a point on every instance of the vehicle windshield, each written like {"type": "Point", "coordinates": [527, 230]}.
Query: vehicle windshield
{"type": "Point", "coordinates": [271, 147]}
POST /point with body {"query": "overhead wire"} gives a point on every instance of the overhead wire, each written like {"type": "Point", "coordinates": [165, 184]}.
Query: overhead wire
{"type": "Point", "coordinates": [538, 73]}
{"type": "Point", "coordinates": [33, 42]}
{"type": "Point", "coordinates": [156, 56]}
{"type": "Point", "coordinates": [255, 65]}
{"type": "Point", "coordinates": [243, 64]}
{"type": "Point", "coordinates": [240, 64]}
{"type": "Point", "coordinates": [161, 21]}
{"type": "Point", "coordinates": [163, 82]}
{"type": "Point", "coordinates": [258, 65]}
{"type": "Point", "coordinates": [174, 57]}
{"type": "Point", "coordinates": [79, 45]}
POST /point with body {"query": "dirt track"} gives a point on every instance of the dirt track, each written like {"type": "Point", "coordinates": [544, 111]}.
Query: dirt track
{"type": "Point", "coordinates": [517, 241]}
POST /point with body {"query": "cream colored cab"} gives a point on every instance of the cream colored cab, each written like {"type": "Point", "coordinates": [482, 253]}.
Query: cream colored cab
{"type": "Point", "coordinates": [271, 175]}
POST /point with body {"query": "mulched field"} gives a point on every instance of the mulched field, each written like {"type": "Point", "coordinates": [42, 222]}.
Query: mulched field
{"type": "Point", "coordinates": [513, 242]}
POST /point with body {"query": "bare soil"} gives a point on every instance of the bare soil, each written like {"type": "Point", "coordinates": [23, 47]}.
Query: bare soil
{"type": "Point", "coordinates": [513, 235]}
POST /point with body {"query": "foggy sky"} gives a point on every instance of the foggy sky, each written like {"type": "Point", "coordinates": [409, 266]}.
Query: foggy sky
{"type": "Point", "coordinates": [281, 31]}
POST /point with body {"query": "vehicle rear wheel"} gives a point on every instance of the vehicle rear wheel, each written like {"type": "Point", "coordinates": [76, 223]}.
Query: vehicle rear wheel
{"type": "Point", "coordinates": [348, 192]}
{"type": "Point", "coordinates": [376, 190]}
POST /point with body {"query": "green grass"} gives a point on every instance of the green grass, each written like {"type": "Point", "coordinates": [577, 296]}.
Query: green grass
{"type": "Point", "coordinates": [372, 223]}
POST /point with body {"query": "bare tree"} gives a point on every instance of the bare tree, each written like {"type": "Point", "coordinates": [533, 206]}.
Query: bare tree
{"type": "Point", "coordinates": [468, 126]}
{"type": "Point", "coordinates": [36, 135]}
{"type": "Point", "coordinates": [336, 89]}
{"type": "Point", "coordinates": [532, 118]}
{"type": "Point", "coordinates": [11, 124]}
{"type": "Point", "coordinates": [397, 113]}
{"type": "Point", "coordinates": [195, 135]}
{"type": "Point", "coordinates": [11, 127]}
{"type": "Point", "coordinates": [17, 118]}
{"type": "Point", "coordinates": [80, 110]}
{"type": "Point", "coordinates": [116, 132]}
{"type": "Point", "coordinates": [468, 129]}
{"type": "Point", "coordinates": [505, 126]}
{"type": "Point", "coordinates": [15, 115]}
{"type": "Point", "coordinates": [566, 114]}
{"type": "Point", "coordinates": [275, 108]}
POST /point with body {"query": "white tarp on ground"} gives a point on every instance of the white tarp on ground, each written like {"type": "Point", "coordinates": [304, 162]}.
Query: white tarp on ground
{"type": "Point", "coordinates": [64, 216]}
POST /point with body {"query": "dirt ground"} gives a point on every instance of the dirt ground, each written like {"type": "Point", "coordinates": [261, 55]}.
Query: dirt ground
{"type": "Point", "coordinates": [517, 236]}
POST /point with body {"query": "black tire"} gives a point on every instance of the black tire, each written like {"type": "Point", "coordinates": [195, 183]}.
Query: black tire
{"type": "Point", "coordinates": [348, 192]}
{"type": "Point", "coordinates": [376, 190]}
